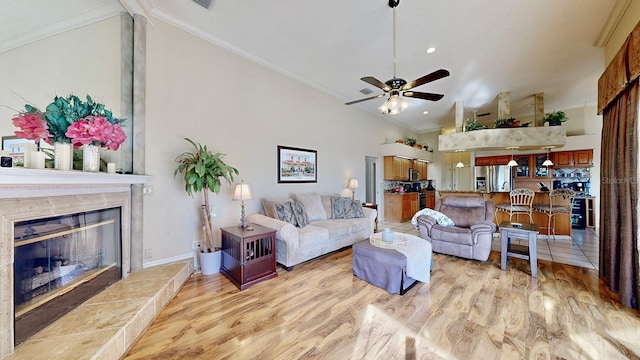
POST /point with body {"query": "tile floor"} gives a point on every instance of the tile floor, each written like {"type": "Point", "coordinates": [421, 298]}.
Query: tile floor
{"type": "Point", "coordinates": [581, 249]}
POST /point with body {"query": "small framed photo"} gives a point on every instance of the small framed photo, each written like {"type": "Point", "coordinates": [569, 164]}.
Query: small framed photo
{"type": "Point", "coordinates": [15, 147]}
{"type": "Point", "coordinates": [296, 165]}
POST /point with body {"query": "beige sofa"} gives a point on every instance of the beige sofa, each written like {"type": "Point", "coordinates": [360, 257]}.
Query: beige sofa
{"type": "Point", "coordinates": [327, 229]}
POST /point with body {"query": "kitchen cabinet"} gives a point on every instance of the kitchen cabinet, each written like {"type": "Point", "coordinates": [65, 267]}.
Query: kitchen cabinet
{"type": "Point", "coordinates": [431, 199]}
{"type": "Point", "coordinates": [493, 160]}
{"type": "Point", "coordinates": [583, 157]}
{"type": "Point", "coordinates": [539, 171]}
{"type": "Point", "coordinates": [530, 166]}
{"type": "Point", "coordinates": [576, 158]}
{"type": "Point", "coordinates": [522, 170]}
{"type": "Point", "coordinates": [396, 168]}
{"type": "Point", "coordinates": [563, 159]}
{"type": "Point", "coordinates": [421, 166]}
{"type": "Point", "coordinates": [484, 161]}
{"type": "Point", "coordinates": [400, 207]}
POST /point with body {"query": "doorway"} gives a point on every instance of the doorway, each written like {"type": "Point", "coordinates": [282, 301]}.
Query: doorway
{"type": "Point", "coordinates": [371, 168]}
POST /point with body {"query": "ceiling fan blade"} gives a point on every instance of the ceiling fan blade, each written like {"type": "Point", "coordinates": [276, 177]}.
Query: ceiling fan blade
{"type": "Point", "coordinates": [438, 74]}
{"type": "Point", "coordinates": [375, 82]}
{"type": "Point", "coordinates": [361, 100]}
{"type": "Point", "coordinates": [422, 95]}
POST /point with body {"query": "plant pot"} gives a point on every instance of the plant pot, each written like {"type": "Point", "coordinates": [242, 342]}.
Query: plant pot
{"type": "Point", "coordinates": [555, 123]}
{"type": "Point", "coordinates": [210, 262]}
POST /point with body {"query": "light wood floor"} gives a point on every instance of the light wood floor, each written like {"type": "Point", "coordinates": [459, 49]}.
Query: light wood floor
{"type": "Point", "coordinates": [469, 310]}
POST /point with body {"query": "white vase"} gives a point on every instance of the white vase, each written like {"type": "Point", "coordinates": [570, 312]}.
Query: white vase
{"type": "Point", "coordinates": [90, 158]}
{"type": "Point", "coordinates": [387, 235]}
{"type": "Point", "coordinates": [210, 262]}
{"type": "Point", "coordinates": [63, 156]}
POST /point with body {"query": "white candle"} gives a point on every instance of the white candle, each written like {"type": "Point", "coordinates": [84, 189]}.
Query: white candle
{"type": "Point", "coordinates": [37, 160]}
{"type": "Point", "coordinates": [29, 150]}
{"type": "Point", "coordinates": [111, 168]}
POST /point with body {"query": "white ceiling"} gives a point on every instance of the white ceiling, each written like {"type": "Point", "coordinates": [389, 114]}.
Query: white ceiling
{"type": "Point", "coordinates": [489, 46]}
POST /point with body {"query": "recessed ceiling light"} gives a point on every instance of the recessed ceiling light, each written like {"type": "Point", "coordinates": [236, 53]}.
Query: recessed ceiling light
{"type": "Point", "coordinates": [425, 112]}
{"type": "Point", "coordinates": [431, 50]}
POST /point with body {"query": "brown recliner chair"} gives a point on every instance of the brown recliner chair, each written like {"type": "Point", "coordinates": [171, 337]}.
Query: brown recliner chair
{"type": "Point", "coordinates": [473, 231]}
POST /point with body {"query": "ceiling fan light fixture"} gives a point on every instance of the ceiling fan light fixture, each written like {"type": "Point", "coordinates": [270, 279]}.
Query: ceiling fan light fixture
{"type": "Point", "coordinates": [393, 105]}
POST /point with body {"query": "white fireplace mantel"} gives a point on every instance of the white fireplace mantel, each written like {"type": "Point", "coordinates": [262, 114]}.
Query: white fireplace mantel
{"type": "Point", "coordinates": [22, 176]}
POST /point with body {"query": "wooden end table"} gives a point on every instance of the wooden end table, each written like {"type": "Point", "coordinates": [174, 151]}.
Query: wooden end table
{"type": "Point", "coordinates": [248, 256]}
{"type": "Point", "coordinates": [525, 231]}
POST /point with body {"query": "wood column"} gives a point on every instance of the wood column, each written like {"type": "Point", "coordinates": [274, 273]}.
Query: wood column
{"type": "Point", "coordinates": [538, 99]}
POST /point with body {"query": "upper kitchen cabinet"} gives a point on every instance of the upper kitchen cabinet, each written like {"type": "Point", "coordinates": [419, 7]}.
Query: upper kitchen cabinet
{"type": "Point", "coordinates": [421, 166]}
{"type": "Point", "coordinates": [492, 160]}
{"type": "Point", "coordinates": [522, 170]}
{"type": "Point", "coordinates": [563, 159]}
{"type": "Point", "coordinates": [530, 166]}
{"type": "Point", "coordinates": [577, 158]}
{"type": "Point", "coordinates": [396, 168]}
{"type": "Point", "coordinates": [583, 158]}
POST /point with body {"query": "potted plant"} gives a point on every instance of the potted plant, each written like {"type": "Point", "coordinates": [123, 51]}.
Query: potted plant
{"type": "Point", "coordinates": [203, 171]}
{"type": "Point", "coordinates": [410, 141]}
{"type": "Point", "coordinates": [555, 118]}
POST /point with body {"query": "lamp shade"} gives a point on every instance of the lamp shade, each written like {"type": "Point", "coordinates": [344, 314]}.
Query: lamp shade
{"type": "Point", "coordinates": [242, 192]}
{"type": "Point", "coordinates": [353, 184]}
{"type": "Point", "coordinates": [547, 163]}
{"type": "Point", "coordinates": [459, 164]}
{"type": "Point", "coordinates": [512, 163]}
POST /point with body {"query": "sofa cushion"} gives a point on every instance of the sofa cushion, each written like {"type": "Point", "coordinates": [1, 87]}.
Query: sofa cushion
{"type": "Point", "coordinates": [284, 212]}
{"type": "Point", "coordinates": [312, 236]}
{"type": "Point", "coordinates": [464, 216]}
{"type": "Point", "coordinates": [336, 227]}
{"type": "Point", "coordinates": [301, 215]}
{"type": "Point", "coordinates": [267, 206]}
{"type": "Point", "coordinates": [327, 205]}
{"type": "Point", "coordinates": [312, 205]}
{"type": "Point", "coordinates": [452, 234]}
{"type": "Point", "coordinates": [345, 208]}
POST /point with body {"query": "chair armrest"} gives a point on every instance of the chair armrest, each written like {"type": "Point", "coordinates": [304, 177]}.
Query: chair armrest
{"type": "Point", "coordinates": [483, 226]}
{"type": "Point", "coordinates": [284, 230]}
{"type": "Point", "coordinates": [425, 223]}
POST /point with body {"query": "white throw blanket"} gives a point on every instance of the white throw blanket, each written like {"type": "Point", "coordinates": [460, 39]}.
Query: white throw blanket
{"type": "Point", "coordinates": [418, 253]}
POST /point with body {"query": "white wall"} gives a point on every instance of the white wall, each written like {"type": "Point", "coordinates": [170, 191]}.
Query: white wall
{"type": "Point", "coordinates": [237, 107]}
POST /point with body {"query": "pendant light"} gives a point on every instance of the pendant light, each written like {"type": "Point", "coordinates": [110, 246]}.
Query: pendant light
{"type": "Point", "coordinates": [512, 162]}
{"type": "Point", "coordinates": [548, 162]}
{"type": "Point", "coordinates": [459, 164]}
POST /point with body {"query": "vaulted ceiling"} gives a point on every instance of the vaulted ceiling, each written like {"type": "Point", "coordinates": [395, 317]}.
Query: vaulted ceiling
{"type": "Point", "coordinates": [488, 46]}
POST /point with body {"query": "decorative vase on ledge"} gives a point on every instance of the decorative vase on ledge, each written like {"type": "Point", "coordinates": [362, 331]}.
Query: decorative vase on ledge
{"type": "Point", "coordinates": [90, 158]}
{"type": "Point", "coordinates": [63, 156]}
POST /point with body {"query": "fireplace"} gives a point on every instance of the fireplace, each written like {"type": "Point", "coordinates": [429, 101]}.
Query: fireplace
{"type": "Point", "coordinates": [60, 262]}
{"type": "Point", "coordinates": [44, 216]}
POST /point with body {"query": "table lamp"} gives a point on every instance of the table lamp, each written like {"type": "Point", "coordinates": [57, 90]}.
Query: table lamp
{"type": "Point", "coordinates": [242, 193]}
{"type": "Point", "coordinates": [353, 185]}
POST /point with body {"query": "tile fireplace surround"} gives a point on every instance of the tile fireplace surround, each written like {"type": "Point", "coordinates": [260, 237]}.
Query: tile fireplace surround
{"type": "Point", "coordinates": [29, 194]}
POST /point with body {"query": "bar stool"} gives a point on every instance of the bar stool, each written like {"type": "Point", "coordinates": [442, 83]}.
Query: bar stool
{"type": "Point", "coordinates": [521, 203]}
{"type": "Point", "coordinates": [560, 201]}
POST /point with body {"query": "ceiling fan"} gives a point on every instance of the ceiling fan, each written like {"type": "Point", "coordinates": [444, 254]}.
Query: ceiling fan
{"type": "Point", "coordinates": [397, 86]}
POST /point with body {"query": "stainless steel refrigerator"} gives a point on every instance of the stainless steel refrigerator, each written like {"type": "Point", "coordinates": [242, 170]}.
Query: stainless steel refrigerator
{"type": "Point", "coordinates": [494, 178]}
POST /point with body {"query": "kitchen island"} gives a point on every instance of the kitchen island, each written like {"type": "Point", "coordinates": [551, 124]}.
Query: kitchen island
{"type": "Point", "coordinates": [400, 207]}
{"type": "Point", "coordinates": [562, 221]}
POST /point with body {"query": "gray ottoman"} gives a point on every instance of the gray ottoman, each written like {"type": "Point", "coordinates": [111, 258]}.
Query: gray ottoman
{"type": "Point", "coordinates": [384, 268]}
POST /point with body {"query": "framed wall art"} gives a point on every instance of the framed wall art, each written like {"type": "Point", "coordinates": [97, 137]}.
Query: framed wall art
{"type": "Point", "coordinates": [297, 165]}
{"type": "Point", "coordinates": [15, 147]}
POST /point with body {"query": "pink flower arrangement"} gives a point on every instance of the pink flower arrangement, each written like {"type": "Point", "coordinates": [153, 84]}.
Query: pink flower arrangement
{"type": "Point", "coordinates": [32, 127]}
{"type": "Point", "coordinates": [96, 130]}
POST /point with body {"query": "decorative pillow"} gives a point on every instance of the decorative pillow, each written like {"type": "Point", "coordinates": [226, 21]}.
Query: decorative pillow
{"type": "Point", "coordinates": [345, 208]}
{"type": "Point", "coordinates": [312, 205]}
{"type": "Point", "coordinates": [301, 215]}
{"type": "Point", "coordinates": [267, 206]}
{"type": "Point", "coordinates": [284, 212]}
{"type": "Point", "coordinates": [441, 218]}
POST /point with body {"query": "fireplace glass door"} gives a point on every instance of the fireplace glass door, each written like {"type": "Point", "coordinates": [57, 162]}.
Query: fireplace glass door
{"type": "Point", "coordinates": [60, 262]}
